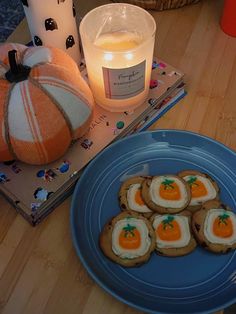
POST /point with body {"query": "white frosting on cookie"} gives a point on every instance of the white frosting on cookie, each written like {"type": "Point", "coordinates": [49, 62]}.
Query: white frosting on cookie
{"type": "Point", "coordinates": [171, 201]}
{"type": "Point", "coordinates": [134, 201]}
{"type": "Point", "coordinates": [220, 226]}
{"type": "Point", "coordinates": [202, 187]}
{"type": "Point", "coordinates": [130, 238]}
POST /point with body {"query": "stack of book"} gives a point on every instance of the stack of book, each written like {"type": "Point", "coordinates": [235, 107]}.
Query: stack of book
{"type": "Point", "coordinates": [36, 190]}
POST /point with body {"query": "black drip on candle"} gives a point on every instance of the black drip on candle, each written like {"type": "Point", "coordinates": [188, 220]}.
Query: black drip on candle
{"type": "Point", "coordinates": [17, 72]}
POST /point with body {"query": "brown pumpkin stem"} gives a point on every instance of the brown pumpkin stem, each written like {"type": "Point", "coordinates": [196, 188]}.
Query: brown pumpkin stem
{"type": "Point", "coordinates": [17, 72]}
{"type": "Point", "coordinates": [12, 54]}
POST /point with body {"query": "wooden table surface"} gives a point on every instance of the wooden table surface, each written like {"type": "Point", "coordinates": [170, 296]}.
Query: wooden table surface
{"type": "Point", "coordinates": [39, 270]}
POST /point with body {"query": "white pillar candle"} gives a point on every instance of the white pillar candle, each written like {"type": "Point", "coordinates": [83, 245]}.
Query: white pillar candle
{"type": "Point", "coordinates": [52, 23]}
{"type": "Point", "coordinates": [118, 42]}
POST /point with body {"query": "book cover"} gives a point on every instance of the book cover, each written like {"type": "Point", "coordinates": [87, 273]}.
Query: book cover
{"type": "Point", "coordinates": [35, 190]}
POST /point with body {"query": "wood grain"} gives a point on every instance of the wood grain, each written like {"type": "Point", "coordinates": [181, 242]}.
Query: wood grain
{"type": "Point", "coordinates": [39, 270]}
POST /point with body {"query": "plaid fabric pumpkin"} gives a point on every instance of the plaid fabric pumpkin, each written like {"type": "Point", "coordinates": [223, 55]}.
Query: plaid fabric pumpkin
{"type": "Point", "coordinates": [44, 103]}
{"type": "Point", "coordinates": [159, 5]}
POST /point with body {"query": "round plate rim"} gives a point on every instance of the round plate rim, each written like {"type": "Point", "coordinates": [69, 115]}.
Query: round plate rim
{"type": "Point", "coordinates": [72, 210]}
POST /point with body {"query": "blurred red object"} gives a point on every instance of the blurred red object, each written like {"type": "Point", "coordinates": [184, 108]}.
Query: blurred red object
{"type": "Point", "coordinates": [228, 19]}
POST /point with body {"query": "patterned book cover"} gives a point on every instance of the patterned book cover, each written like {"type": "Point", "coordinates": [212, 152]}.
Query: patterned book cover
{"type": "Point", "coordinates": [36, 190]}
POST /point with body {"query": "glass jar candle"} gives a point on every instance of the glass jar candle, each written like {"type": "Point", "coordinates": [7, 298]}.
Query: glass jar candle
{"type": "Point", "coordinates": [118, 43]}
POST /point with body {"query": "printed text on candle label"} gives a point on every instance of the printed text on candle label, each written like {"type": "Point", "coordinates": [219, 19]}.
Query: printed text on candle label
{"type": "Point", "coordinates": [124, 83]}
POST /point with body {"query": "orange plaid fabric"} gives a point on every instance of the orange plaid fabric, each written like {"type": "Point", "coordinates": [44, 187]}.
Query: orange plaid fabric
{"type": "Point", "coordinates": [47, 110]}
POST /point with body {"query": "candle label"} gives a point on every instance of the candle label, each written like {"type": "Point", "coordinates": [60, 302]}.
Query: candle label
{"type": "Point", "coordinates": [124, 83]}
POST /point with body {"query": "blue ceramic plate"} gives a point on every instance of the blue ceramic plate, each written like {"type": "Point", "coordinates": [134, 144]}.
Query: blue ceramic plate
{"type": "Point", "coordinates": [201, 282]}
